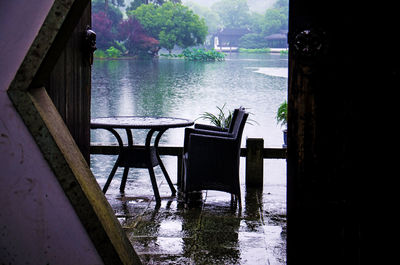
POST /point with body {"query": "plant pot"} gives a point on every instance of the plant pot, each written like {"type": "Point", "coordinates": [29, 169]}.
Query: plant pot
{"type": "Point", "coordinates": [284, 138]}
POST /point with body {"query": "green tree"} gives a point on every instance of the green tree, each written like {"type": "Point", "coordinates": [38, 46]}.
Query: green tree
{"type": "Point", "coordinates": [211, 18]}
{"type": "Point", "coordinates": [273, 21]}
{"type": "Point", "coordinates": [167, 40]}
{"type": "Point", "coordinates": [233, 13]}
{"type": "Point", "coordinates": [116, 2]}
{"type": "Point", "coordinates": [256, 22]}
{"type": "Point", "coordinates": [276, 19]}
{"type": "Point", "coordinates": [284, 4]}
{"type": "Point", "coordinates": [136, 3]}
{"type": "Point", "coordinates": [172, 24]}
{"type": "Point", "coordinates": [147, 16]}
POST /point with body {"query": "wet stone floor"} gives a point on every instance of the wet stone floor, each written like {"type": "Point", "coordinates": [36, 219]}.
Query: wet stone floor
{"type": "Point", "coordinates": [211, 230]}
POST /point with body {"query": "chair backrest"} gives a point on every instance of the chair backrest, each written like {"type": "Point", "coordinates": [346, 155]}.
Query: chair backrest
{"type": "Point", "coordinates": [234, 116]}
{"type": "Point", "coordinates": [238, 125]}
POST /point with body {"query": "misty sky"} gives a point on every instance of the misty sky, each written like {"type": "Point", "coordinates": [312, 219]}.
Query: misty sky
{"type": "Point", "coordinates": [254, 5]}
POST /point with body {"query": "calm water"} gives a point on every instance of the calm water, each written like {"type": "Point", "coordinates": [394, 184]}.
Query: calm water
{"type": "Point", "coordinates": [179, 88]}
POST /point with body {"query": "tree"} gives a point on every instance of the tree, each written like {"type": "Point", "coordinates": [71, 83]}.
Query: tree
{"type": "Point", "coordinates": [283, 4]}
{"type": "Point", "coordinates": [118, 2]}
{"type": "Point", "coordinates": [273, 21]}
{"type": "Point", "coordinates": [252, 41]}
{"type": "Point", "coordinates": [256, 22]}
{"type": "Point", "coordinates": [147, 17]}
{"type": "Point", "coordinates": [233, 13]}
{"type": "Point", "coordinates": [172, 24]}
{"type": "Point", "coordinates": [276, 19]}
{"type": "Point", "coordinates": [136, 3]}
{"type": "Point", "coordinates": [113, 13]}
{"type": "Point", "coordinates": [114, 2]}
{"type": "Point", "coordinates": [105, 22]}
{"type": "Point", "coordinates": [167, 40]}
{"type": "Point", "coordinates": [136, 40]}
{"type": "Point", "coordinates": [211, 17]}
{"type": "Point", "coordinates": [102, 26]}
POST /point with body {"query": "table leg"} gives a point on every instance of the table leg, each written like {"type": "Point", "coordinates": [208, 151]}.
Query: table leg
{"type": "Point", "coordinates": [114, 169]}
{"type": "Point", "coordinates": [150, 166]}
{"type": "Point", "coordinates": [124, 179]}
{"type": "Point", "coordinates": [171, 186]}
{"type": "Point", "coordinates": [126, 169]}
{"type": "Point", "coordinates": [154, 184]}
{"type": "Point", "coordinates": [110, 177]}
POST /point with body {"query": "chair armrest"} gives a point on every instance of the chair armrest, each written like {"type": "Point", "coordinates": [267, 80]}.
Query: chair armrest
{"type": "Point", "coordinates": [189, 131]}
{"type": "Point", "coordinates": [209, 127]}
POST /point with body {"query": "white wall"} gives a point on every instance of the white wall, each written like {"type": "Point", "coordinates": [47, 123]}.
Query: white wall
{"type": "Point", "coordinates": [37, 223]}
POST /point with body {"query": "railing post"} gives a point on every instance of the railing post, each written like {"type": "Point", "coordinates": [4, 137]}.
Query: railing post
{"type": "Point", "coordinates": [254, 162]}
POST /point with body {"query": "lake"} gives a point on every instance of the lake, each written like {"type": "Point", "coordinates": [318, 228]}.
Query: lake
{"type": "Point", "coordinates": [186, 89]}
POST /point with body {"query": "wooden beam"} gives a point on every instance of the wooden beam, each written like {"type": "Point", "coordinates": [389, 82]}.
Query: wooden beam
{"type": "Point", "coordinates": [60, 40]}
{"type": "Point", "coordinates": [54, 140]}
{"type": "Point", "coordinates": [100, 149]}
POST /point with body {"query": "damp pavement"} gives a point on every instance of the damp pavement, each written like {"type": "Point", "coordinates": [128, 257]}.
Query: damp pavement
{"type": "Point", "coordinates": [211, 230]}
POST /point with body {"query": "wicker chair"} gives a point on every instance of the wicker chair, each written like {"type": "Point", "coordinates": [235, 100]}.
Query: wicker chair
{"type": "Point", "coordinates": [211, 158]}
{"type": "Point", "coordinates": [207, 127]}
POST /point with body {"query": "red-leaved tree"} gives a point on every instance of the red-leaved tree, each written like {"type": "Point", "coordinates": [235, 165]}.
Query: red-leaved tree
{"type": "Point", "coordinates": [102, 26]}
{"type": "Point", "coordinates": [136, 39]}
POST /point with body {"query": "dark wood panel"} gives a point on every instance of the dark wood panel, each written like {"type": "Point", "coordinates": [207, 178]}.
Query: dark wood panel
{"type": "Point", "coordinates": [339, 102]}
{"type": "Point", "coordinates": [69, 85]}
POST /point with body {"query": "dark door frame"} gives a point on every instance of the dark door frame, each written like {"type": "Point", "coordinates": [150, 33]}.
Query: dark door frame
{"type": "Point", "coordinates": [340, 97]}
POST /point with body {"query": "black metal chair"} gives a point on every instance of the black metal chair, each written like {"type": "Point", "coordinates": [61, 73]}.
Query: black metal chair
{"type": "Point", "coordinates": [211, 158]}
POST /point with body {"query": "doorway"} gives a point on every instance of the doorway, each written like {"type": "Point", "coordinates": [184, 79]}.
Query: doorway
{"type": "Point", "coordinates": [154, 87]}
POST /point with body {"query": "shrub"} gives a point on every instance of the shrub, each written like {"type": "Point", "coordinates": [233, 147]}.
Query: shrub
{"type": "Point", "coordinates": [120, 46]}
{"type": "Point", "coordinates": [100, 54]}
{"type": "Point", "coordinates": [261, 50]}
{"type": "Point", "coordinates": [203, 55]}
{"type": "Point", "coordinates": [252, 41]}
{"type": "Point", "coordinates": [113, 52]}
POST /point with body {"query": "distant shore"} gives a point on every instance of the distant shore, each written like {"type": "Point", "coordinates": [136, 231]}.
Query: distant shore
{"type": "Point", "coordinates": [236, 49]}
{"type": "Point", "coordinates": [224, 50]}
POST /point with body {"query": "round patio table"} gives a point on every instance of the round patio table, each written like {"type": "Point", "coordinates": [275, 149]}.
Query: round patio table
{"type": "Point", "coordinates": [133, 156]}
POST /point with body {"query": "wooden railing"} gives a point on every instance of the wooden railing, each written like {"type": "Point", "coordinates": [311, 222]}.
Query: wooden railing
{"type": "Point", "coordinates": [254, 152]}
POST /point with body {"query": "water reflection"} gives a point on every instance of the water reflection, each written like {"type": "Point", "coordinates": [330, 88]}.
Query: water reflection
{"type": "Point", "coordinates": [253, 209]}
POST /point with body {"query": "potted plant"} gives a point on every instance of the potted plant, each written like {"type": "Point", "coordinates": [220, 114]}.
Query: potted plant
{"type": "Point", "coordinates": [281, 118]}
{"type": "Point", "coordinates": [221, 120]}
